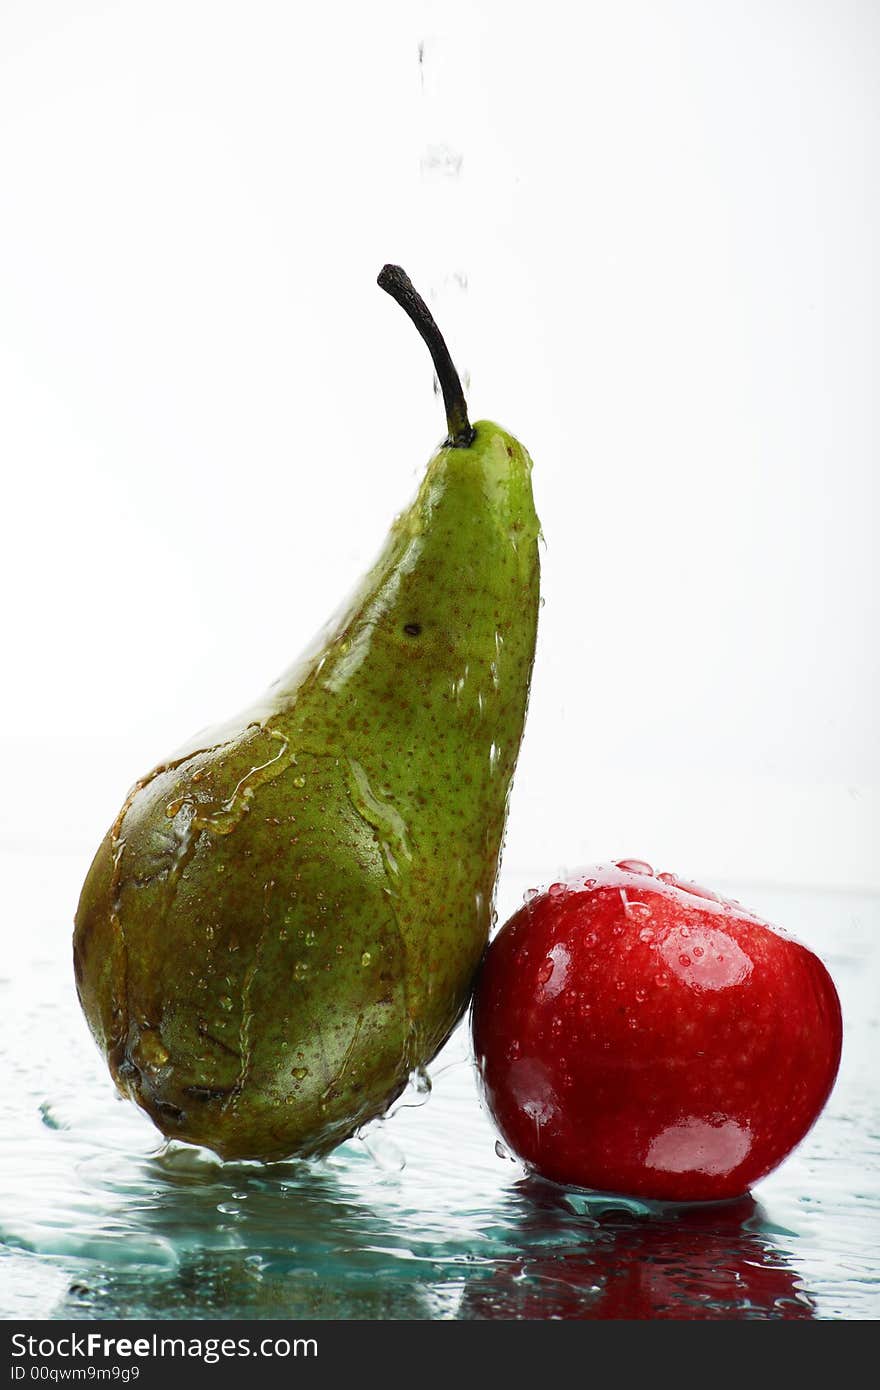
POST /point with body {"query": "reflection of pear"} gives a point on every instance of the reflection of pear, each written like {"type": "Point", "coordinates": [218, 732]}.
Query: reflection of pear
{"type": "Point", "coordinates": [285, 918]}
{"type": "Point", "coordinates": [253, 1242]}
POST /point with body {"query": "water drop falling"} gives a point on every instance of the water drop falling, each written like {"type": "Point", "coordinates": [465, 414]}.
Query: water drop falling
{"type": "Point", "coordinates": [441, 161]}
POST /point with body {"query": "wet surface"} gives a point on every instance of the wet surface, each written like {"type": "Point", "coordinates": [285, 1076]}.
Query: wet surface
{"type": "Point", "coordinates": [425, 1217]}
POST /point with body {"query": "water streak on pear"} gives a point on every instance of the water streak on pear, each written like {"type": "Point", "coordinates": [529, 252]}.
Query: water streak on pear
{"type": "Point", "coordinates": [285, 918]}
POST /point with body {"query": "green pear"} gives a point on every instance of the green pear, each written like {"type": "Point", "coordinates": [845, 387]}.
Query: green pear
{"type": "Point", "coordinates": [283, 923]}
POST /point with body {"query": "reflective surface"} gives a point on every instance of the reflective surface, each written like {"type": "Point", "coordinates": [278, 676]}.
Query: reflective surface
{"type": "Point", "coordinates": [424, 1219]}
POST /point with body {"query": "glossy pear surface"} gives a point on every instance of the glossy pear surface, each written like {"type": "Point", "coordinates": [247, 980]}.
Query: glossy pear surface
{"type": "Point", "coordinates": [284, 920]}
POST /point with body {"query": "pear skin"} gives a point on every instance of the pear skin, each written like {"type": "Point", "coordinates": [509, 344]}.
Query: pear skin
{"type": "Point", "coordinates": [285, 919]}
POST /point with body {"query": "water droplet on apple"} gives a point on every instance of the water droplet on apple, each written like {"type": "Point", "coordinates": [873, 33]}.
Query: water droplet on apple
{"type": "Point", "coordinates": [635, 866]}
{"type": "Point", "coordinates": [558, 890]}
{"type": "Point", "coordinates": [686, 885]}
{"type": "Point", "coordinates": [646, 934]}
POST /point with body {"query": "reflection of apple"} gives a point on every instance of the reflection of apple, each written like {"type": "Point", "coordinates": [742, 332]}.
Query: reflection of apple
{"type": "Point", "coordinates": [638, 1034]}
{"type": "Point", "coordinates": [702, 1264]}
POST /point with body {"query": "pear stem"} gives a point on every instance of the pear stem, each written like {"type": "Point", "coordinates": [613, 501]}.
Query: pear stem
{"type": "Point", "coordinates": [397, 283]}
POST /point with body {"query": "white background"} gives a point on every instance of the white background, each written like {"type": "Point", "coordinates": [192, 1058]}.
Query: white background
{"type": "Point", "coordinates": [650, 233]}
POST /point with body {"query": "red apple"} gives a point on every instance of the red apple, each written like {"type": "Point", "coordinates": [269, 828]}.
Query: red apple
{"type": "Point", "coordinates": [638, 1034]}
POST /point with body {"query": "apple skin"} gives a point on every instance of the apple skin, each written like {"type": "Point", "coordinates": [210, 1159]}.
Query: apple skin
{"type": "Point", "coordinates": [637, 1034]}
